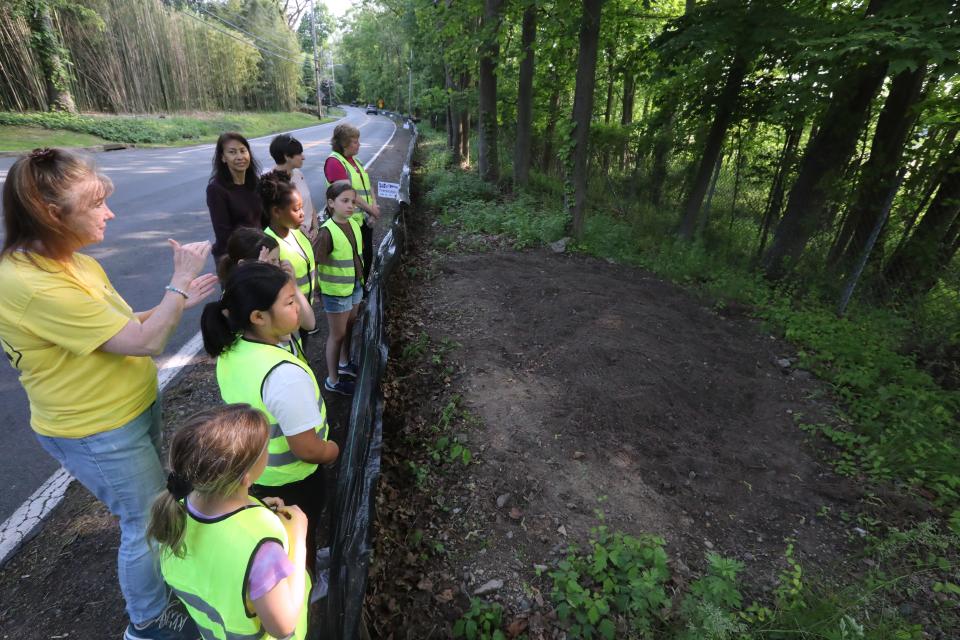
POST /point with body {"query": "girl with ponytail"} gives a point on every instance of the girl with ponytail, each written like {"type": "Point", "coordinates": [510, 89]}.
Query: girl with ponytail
{"type": "Point", "coordinates": [250, 245]}
{"type": "Point", "coordinates": [243, 330]}
{"type": "Point", "coordinates": [216, 541]}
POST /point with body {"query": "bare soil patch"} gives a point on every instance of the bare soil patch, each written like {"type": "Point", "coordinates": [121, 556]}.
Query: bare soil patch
{"type": "Point", "coordinates": [589, 386]}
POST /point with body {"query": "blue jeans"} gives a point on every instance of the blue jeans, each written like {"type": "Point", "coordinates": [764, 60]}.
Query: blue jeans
{"type": "Point", "coordinates": [122, 468]}
{"type": "Point", "coordinates": [342, 304]}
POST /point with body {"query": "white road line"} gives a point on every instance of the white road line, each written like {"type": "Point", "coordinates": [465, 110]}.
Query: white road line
{"type": "Point", "coordinates": [385, 145]}
{"type": "Point", "coordinates": [24, 522]}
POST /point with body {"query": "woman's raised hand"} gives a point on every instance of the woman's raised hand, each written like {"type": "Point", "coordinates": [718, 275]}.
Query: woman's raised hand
{"type": "Point", "coordinates": [200, 288]}
{"type": "Point", "coordinates": [188, 260]}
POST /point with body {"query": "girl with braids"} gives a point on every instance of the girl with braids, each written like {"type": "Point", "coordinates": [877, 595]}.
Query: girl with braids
{"type": "Point", "coordinates": [236, 563]}
{"type": "Point", "coordinates": [246, 245]}
{"type": "Point", "coordinates": [341, 282]}
{"type": "Point", "coordinates": [243, 331]}
{"type": "Point", "coordinates": [282, 217]}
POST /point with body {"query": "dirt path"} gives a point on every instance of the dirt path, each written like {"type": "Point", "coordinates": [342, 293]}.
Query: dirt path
{"type": "Point", "coordinates": [581, 385]}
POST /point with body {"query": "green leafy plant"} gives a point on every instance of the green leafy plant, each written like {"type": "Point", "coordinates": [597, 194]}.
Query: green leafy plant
{"type": "Point", "coordinates": [618, 581]}
{"type": "Point", "coordinates": [482, 621]}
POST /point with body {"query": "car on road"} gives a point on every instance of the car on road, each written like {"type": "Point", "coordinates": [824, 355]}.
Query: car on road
{"type": "Point", "coordinates": [372, 108]}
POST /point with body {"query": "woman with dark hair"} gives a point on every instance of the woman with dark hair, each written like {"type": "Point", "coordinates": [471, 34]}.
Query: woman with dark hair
{"type": "Point", "coordinates": [83, 356]}
{"type": "Point", "coordinates": [344, 165]}
{"type": "Point", "coordinates": [287, 152]}
{"type": "Point", "coordinates": [231, 193]}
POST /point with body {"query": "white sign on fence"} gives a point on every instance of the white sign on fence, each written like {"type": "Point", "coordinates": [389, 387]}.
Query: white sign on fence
{"type": "Point", "coordinates": [388, 190]}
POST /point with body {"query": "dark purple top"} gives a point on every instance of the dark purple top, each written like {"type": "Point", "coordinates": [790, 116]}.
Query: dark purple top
{"type": "Point", "coordinates": [231, 206]}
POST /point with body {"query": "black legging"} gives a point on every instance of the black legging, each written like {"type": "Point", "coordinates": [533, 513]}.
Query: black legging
{"type": "Point", "coordinates": [366, 235]}
{"type": "Point", "coordinates": [307, 494]}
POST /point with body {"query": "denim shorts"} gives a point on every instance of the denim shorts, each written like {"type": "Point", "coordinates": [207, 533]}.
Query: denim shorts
{"type": "Point", "coordinates": [342, 304]}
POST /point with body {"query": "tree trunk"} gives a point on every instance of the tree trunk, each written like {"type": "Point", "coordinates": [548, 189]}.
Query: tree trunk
{"type": "Point", "coordinates": [626, 118]}
{"type": "Point", "coordinates": [775, 200]}
{"type": "Point", "coordinates": [488, 161]}
{"type": "Point", "coordinates": [553, 114]}
{"type": "Point", "coordinates": [583, 107]}
{"type": "Point", "coordinates": [662, 145]}
{"type": "Point", "coordinates": [453, 125]}
{"type": "Point", "coordinates": [52, 57]}
{"type": "Point", "coordinates": [826, 155]}
{"type": "Point", "coordinates": [916, 265]}
{"type": "Point", "coordinates": [726, 106]}
{"type": "Point", "coordinates": [465, 137]}
{"type": "Point", "coordinates": [880, 172]}
{"type": "Point", "coordinates": [464, 122]}
{"type": "Point", "coordinates": [521, 154]}
{"type": "Point", "coordinates": [935, 169]}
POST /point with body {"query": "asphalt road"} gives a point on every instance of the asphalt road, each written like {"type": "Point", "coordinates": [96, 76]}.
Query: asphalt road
{"type": "Point", "coordinates": [159, 194]}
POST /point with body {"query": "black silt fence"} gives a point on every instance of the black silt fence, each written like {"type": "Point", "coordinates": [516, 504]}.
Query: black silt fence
{"type": "Point", "coordinates": [351, 540]}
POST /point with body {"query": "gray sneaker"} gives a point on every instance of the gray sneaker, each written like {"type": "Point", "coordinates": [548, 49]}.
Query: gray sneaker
{"type": "Point", "coordinates": [173, 624]}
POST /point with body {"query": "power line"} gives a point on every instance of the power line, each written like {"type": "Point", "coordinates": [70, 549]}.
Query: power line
{"type": "Point", "coordinates": [239, 39]}
{"type": "Point", "coordinates": [235, 27]}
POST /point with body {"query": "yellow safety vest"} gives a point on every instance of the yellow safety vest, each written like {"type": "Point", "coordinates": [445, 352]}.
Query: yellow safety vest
{"type": "Point", "coordinates": [304, 268]}
{"type": "Point", "coordinates": [241, 372]}
{"type": "Point", "coordinates": [211, 577]}
{"type": "Point", "coordinates": [338, 274]}
{"type": "Point", "coordinates": [360, 181]}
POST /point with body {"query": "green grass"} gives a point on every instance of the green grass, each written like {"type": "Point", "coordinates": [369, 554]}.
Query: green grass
{"type": "Point", "coordinates": [154, 129]}
{"type": "Point", "coordinates": [20, 138]}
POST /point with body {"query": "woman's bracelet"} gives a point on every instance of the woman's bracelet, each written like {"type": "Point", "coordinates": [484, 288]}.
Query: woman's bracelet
{"type": "Point", "coordinates": [170, 287]}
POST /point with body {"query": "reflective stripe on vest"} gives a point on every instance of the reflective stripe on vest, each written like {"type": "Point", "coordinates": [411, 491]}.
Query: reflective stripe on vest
{"type": "Point", "coordinates": [210, 578]}
{"type": "Point", "coordinates": [359, 180]}
{"type": "Point", "coordinates": [304, 269]}
{"type": "Point", "coordinates": [241, 372]}
{"type": "Point", "coordinates": [338, 273]}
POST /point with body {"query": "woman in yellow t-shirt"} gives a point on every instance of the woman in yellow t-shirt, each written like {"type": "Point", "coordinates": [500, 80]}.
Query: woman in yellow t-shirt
{"type": "Point", "coordinates": [83, 355]}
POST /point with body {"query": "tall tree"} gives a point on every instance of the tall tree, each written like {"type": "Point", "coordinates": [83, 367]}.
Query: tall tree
{"type": "Point", "coordinates": [878, 175]}
{"type": "Point", "coordinates": [726, 104]}
{"type": "Point", "coordinates": [53, 56]}
{"type": "Point", "coordinates": [521, 154]}
{"type": "Point", "coordinates": [487, 158]}
{"type": "Point", "coordinates": [583, 107]}
{"type": "Point", "coordinates": [916, 265]}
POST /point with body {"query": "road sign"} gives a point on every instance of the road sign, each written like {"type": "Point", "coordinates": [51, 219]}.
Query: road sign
{"type": "Point", "coordinates": [388, 190]}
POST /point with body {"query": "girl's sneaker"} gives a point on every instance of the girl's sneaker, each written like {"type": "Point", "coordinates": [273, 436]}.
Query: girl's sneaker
{"type": "Point", "coordinates": [173, 624]}
{"type": "Point", "coordinates": [343, 387]}
{"type": "Point", "coordinates": [348, 369]}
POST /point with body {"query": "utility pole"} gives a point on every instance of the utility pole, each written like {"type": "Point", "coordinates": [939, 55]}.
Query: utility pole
{"type": "Point", "coordinates": [316, 57]}
{"type": "Point", "coordinates": [410, 89]}
{"type": "Point", "coordinates": [333, 77]}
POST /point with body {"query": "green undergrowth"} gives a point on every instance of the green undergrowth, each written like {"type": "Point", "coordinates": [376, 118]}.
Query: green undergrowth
{"type": "Point", "coordinates": [173, 130]}
{"type": "Point", "coordinates": [622, 586]}
{"type": "Point", "coordinates": [895, 422]}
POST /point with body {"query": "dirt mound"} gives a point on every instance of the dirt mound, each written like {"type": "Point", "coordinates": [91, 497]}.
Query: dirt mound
{"type": "Point", "coordinates": [590, 386]}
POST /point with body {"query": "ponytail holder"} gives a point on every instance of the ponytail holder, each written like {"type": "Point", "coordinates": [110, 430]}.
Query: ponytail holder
{"type": "Point", "coordinates": [178, 486]}
{"type": "Point", "coordinates": [43, 155]}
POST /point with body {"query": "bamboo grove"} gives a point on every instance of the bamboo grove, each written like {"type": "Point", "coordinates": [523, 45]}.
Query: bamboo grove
{"type": "Point", "coordinates": [125, 56]}
{"type": "Point", "coordinates": [815, 140]}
